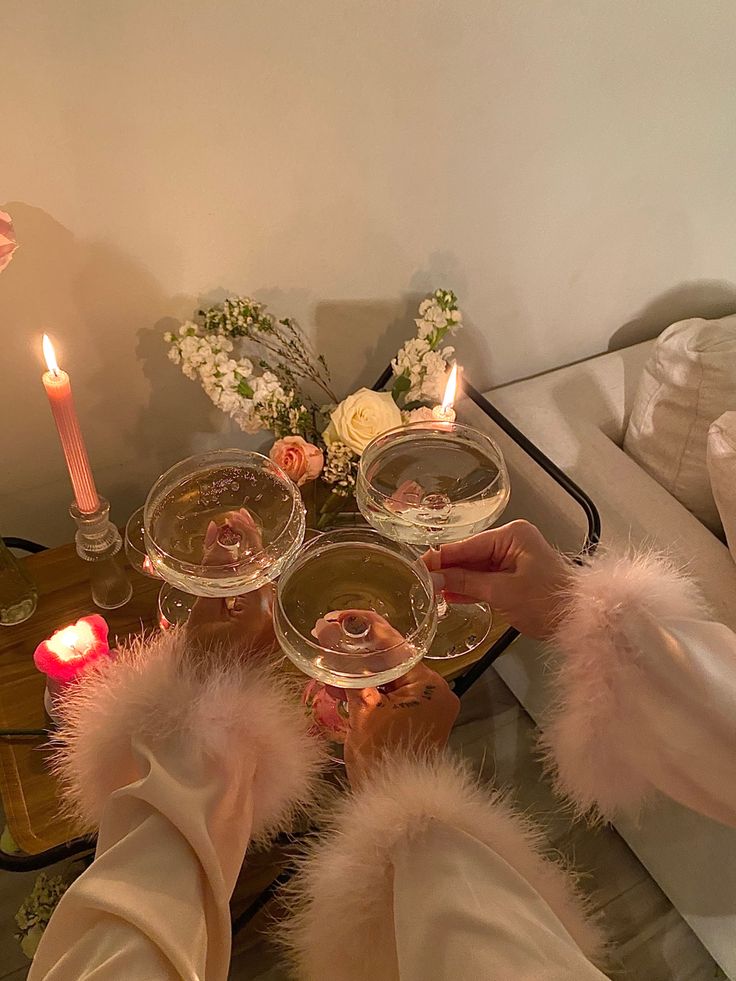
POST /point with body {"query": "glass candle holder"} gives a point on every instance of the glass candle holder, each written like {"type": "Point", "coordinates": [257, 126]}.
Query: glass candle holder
{"type": "Point", "coordinates": [18, 593]}
{"type": "Point", "coordinates": [99, 542]}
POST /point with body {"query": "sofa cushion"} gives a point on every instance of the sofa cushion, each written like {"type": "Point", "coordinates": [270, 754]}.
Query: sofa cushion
{"type": "Point", "coordinates": [687, 383]}
{"type": "Point", "coordinates": [722, 471]}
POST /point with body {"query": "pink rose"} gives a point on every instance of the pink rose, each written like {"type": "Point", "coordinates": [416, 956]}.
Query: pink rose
{"type": "Point", "coordinates": [8, 245]}
{"type": "Point", "coordinates": [329, 713]}
{"type": "Point", "coordinates": [300, 460]}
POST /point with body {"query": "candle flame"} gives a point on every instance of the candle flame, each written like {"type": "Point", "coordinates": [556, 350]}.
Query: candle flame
{"type": "Point", "coordinates": [450, 389]}
{"type": "Point", "coordinates": [72, 642]}
{"type": "Point", "coordinates": [50, 355]}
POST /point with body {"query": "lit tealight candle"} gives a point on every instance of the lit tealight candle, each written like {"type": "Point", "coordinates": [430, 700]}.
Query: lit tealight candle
{"type": "Point", "coordinates": [445, 412]}
{"type": "Point", "coordinates": [68, 652]}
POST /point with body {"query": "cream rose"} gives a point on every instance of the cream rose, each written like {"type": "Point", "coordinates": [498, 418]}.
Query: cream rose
{"type": "Point", "coordinates": [361, 417]}
{"type": "Point", "coordinates": [300, 460]}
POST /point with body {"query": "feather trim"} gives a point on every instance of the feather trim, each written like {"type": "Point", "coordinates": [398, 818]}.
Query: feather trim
{"type": "Point", "coordinates": [219, 700]}
{"type": "Point", "coordinates": [343, 926]}
{"type": "Point", "coordinates": [597, 672]}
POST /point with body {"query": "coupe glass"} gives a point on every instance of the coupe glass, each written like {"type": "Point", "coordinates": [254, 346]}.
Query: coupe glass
{"type": "Point", "coordinates": [258, 516]}
{"type": "Point", "coordinates": [340, 581]}
{"type": "Point", "coordinates": [355, 569]}
{"type": "Point", "coordinates": [432, 483]}
{"type": "Point", "coordinates": [135, 546]}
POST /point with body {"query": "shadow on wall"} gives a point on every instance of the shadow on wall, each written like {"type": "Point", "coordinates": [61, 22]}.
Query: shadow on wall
{"type": "Point", "coordinates": [139, 414]}
{"type": "Point", "coordinates": [709, 298]}
{"type": "Point", "coordinates": [107, 315]}
{"type": "Point", "coordinates": [360, 337]}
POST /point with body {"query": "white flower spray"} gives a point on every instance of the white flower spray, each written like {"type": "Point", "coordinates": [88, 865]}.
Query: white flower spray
{"type": "Point", "coordinates": [266, 399]}
{"type": "Point", "coordinates": [420, 367]}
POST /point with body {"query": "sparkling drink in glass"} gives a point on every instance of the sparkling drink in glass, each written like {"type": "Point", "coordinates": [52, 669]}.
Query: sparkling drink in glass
{"type": "Point", "coordinates": [351, 580]}
{"type": "Point", "coordinates": [223, 523]}
{"type": "Point", "coordinates": [432, 483]}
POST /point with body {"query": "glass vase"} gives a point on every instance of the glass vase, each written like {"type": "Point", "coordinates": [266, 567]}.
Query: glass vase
{"type": "Point", "coordinates": [18, 593]}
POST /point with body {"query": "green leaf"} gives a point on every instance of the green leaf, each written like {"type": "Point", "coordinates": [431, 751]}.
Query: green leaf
{"type": "Point", "coordinates": [436, 336]}
{"type": "Point", "coordinates": [244, 389]}
{"type": "Point", "coordinates": [401, 385]}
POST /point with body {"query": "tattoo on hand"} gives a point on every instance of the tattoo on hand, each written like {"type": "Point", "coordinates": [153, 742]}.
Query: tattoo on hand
{"type": "Point", "coordinates": [411, 703]}
{"type": "Point", "coordinates": [428, 692]}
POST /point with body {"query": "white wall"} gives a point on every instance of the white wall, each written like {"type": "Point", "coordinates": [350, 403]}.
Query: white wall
{"type": "Point", "coordinates": [567, 167]}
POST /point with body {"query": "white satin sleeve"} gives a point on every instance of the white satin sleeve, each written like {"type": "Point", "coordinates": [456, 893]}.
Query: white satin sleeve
{"type": "Point", "coordinates": [463, 910]}
{"type": "Point", "coordinates": [425, 876]}
{"type": "Point", "coordinates": [645, 693]}
{"type": "Point", "coordinates": [182, 763]}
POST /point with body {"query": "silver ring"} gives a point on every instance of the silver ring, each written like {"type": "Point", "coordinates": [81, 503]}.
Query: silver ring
{"type": "Point", "coordinates": [356, 627]}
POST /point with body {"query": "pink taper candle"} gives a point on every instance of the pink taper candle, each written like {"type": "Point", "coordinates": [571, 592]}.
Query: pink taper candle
{"type": "Point", "coordinates": [59, 391]}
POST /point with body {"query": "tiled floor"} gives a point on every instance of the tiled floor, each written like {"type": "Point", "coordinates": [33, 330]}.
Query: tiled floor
{"type": "Point", "coordinates": [651, 940]}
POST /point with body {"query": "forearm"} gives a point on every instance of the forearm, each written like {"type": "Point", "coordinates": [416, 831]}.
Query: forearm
{"type": "Point", "coordinates": [377, 900]}
{"type": "Point", "coordinates": [645, 688]}
{"type": "Point", "coordinates": [180, 762]}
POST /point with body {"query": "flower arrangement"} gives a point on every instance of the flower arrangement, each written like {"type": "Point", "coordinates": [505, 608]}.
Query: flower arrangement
{"type": "Point", "coordinates": [264, 373]}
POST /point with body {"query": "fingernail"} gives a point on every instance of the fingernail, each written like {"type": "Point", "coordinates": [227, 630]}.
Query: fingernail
{"type": "Point", "coordinates": [438, 579]}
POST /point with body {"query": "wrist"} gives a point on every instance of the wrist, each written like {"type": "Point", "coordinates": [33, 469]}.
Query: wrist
{"type": "Point", "coordinates": [559, 592]}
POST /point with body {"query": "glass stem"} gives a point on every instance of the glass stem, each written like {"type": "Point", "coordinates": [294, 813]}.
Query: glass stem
{"type": "Point", "coordinates": [434, 566]}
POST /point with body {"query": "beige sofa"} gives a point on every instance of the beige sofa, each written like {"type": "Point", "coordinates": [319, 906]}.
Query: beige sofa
{"type": "Point", "coordinates": [578, 416]}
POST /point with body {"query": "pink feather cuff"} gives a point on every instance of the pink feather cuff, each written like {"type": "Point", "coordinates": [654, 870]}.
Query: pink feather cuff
{"type": "Point", "coordinates": [222, 705]}
{"type": "Point", "coordinates": [586, 736]}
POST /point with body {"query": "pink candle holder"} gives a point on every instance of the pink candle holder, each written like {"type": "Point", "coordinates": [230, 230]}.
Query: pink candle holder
{"type": "Point", "coordinates": [67, 653]}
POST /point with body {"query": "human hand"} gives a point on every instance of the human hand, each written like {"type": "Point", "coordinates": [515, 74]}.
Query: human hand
{"type": "Point", "coordinates": [244, 621]}
{"type": "Point", "coordinates": [407, 495]}
{"type": "Point", "coordinates": [512, 568]}
{"type": "Point", "coordinates": [235, 536]}
{"type": "Point", "coordinates": [341, 629]}
{"type": "Point", "coordinates": [417, 711]}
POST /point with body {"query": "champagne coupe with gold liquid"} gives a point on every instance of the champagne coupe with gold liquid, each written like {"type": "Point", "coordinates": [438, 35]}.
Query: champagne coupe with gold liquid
{"type": "Point", "coordinates": [353, 610]}
{"type": "Point", "coordinates": [222, 523]}
{"type": "Point", "coordinates": [431, 483]}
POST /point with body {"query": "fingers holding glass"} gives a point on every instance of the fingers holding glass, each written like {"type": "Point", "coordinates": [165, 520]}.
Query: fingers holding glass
{"type": "Point", "coordinates": [417, 715]}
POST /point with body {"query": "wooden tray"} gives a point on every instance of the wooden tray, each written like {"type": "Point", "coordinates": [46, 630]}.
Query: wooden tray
{"type": "Point", "coordinates": [29, 791]}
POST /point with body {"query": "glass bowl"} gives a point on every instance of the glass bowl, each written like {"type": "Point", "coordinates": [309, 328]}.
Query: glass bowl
{"type": "Point", "coordinates": [258, 515]}
{"type": "Point", "coordinates": [432, 482]}
{"type": "Point", "coordinates": [355, 570]}
{"type": "Point", "coordinates": [135, 546]}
